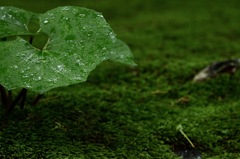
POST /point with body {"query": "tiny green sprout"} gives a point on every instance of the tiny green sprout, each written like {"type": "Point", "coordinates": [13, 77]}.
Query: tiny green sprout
{"type": "Point", "coordinates": [180, 128]}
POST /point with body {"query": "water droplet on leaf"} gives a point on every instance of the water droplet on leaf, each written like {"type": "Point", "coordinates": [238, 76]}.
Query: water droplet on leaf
{"type": "Point", "coordinates": [65, 8]}
{"type": "Point", "coordinates": [60, 68]}
{"type": "Point", "coordinates": [45, 21]}
{"type": "Point", "coordinates": [3, 17]}
{"type": "Point", "coordinates": [15, 67]}
{"type": "Point", "coordinates": [112, 36]}
{"type": "Point", "coordinates": [82, 15]}
{"type": "Point", "coordinates": [100, 15]}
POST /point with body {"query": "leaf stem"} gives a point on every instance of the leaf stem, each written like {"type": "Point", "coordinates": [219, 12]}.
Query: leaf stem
{"type": "Point", "coordinates": [36, 99]}
{"type": "Point", "coordinates": [3, 96]}
{"type": "Point", "coordinates": [22, 102]}
{"type": "Point", "coordinates": [9, 99]}
{"type": "Point", "coordinates": [19, 96]}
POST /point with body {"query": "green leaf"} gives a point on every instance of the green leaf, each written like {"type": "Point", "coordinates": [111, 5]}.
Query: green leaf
{"type": "Point", "coordinates": [121, 53]}
{"type": "Point", "coordinates": [14, 21]}
{"type": "Point", "coordinates": [79, 40]}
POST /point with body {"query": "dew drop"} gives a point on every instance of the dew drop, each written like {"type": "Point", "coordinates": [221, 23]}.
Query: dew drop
{"type": "Point", "coordinates": [65, 8]}
{"type": "Point", "coordinates": [80, 63]}
{"type": "Point", "coordinates": [25, 76]}
{"type": "Point", "coordinates": [52, 81]}
{"type": "Point", "coordinates": [94, 64]}
{"type": "Point", "coordinates": [78, 77]}
{"type": "Point", "coordinates": [82, 15]}
{"type": "Point", "coordinates": [60, 68]}
{"type": "Point", "coordinates": [121, 56]}
{"type": "Point", "coordinates": [39, 78]}
{"type": "Point", "coordinates": [66, 18]}
{"type": "Point", "coordinates": [112, 36]}
{"type": "Point", "coordinates": [45, 21]}
{"type": "Point", "coordinates": [3, 17]}
{"type": "Point", "coordinates": [100, 15]}
{"type": "Point", "coordinates": [15, 67]}
{"type": "Point", "coordinates": [85, 70]}
{"type": "Point", "coordinates": [27, 85]}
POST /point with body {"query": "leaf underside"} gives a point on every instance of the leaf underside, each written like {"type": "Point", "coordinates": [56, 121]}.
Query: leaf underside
{"type": "Point", "coordinates": [78, 40]}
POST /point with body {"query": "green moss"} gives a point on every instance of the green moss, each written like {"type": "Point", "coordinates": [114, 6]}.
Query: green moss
{"type": "Point", "coordinates": [123, 112]}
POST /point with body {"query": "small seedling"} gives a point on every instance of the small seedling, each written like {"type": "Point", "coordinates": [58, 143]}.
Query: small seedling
{"type": "Point", "coordinates": [61, 47]}
{"type": "Point", "coordinates": [180, 129]}
{"type": "Point", "coordinates": [187, 153]}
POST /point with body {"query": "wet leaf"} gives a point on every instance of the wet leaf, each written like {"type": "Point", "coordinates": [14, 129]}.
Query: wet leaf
{"type": "Point", "coordinates": [14, 21]}
{"type": "Point", "coordinates": [79, 40]}
{"type": "Point", "coordinates": [121, 53]}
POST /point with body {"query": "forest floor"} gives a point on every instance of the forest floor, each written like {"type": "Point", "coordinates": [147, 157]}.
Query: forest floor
{"type": "Point", "coordinates": [125, 112]}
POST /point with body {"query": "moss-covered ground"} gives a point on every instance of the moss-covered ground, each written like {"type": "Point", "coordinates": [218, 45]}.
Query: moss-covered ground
{"type": "Point", "coordinates": [124, 112]}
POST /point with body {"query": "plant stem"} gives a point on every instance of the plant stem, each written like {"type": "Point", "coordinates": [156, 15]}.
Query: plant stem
{"type": "Point", "coordinates": [187, 138]}
{"type": "Point", "coordinates": [3, 96]}
{"type": "Point", "coordinates": [9, 98]}
{"type": "Point", "coordinates": [36, 99]}
{"type": "Point", "coordinates": [180, 128]}
{"type": "Point", "coordinates": [22, 102]}
{"type": "Point", "coordinates": [19, 96]}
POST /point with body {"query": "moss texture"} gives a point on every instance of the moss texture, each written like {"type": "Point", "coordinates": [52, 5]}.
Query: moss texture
{"type": "Point", "coordinates": [123, 112]}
